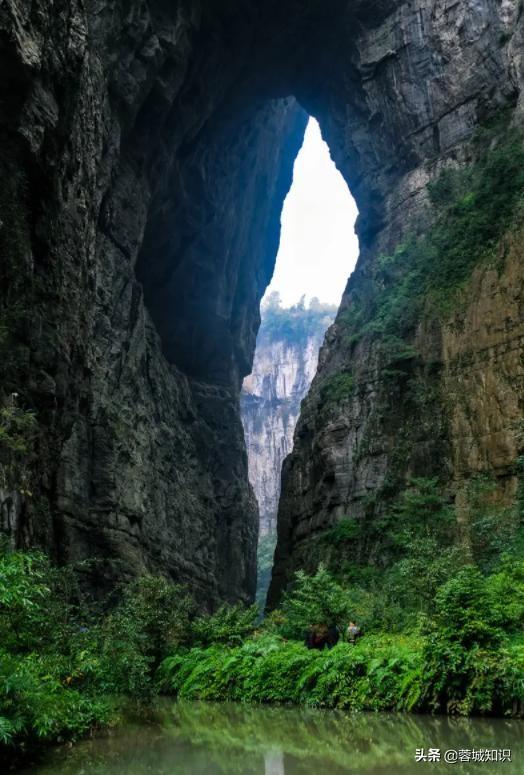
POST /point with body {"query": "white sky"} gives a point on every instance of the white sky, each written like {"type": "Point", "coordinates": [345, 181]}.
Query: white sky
{"type": "Point", "coordinates": [318, 247]}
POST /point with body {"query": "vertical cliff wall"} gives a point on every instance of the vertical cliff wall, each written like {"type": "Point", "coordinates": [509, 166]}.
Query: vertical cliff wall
{"type": "Point", "coordinates": [421, 374]}
{"type": "Point", "coordinates": [285, 363]}
{"type": "Point", "coordinates": [146, 149]}
{"type": "Point", "coordinates": [131, 281]}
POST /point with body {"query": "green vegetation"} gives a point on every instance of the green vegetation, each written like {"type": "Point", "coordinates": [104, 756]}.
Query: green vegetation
{"type": "Point", "coordinates": [460, 661]}
{"type": "Point", "coordinates": [229, 626]}
{"type": "Point", "coordinates": [473, 206]}
{"type": "Point", "coordinates": [43, 665]}
{"type": "Point", "coordinates": [295, 324]}
{"type": "Point", "coordinates": [337, 388]}
{"type": "Point", "coordinates": [62, 663]}
{"type": "Point", "coordinates": [266, 549]}
{"type": "Point", "coordinates": [376, 674]}
{"type": "Point", "coordinates": [441, 615]}
{"type": "Point", "coordinates": [17, 431]}
{"type": "Point", "coordinates": [442, 627]}
{"type": "Point", "coordinates": [313, 599]}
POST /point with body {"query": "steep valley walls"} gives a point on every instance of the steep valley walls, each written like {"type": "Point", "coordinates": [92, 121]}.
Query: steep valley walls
{"type": "Point", "coordinates": [285, 363]}
{"type": "Point", "coordinates": [422, 374]}
{"type": "Point", "coordinates": [146, 149]}
{"type": "Point", "coordinates": [140, 219]}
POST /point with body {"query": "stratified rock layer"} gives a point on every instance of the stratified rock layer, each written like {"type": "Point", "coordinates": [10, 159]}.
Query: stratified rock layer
{"type": "Point", "coordinates": [142, 240]}
{"type": "Point", "coordinates": [285, 362]}
{"type": "Point", "coordinates": [146, 148]}
{"type": "Point", "coordinates": [446, 401]}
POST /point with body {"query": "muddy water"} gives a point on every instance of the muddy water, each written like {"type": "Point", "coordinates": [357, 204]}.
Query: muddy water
{"type": "Point", "coordinates": [198, 738]}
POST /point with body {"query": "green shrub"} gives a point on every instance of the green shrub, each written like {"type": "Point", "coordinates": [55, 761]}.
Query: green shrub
{"type": "Point", "coordinates": [42, 657]}
{"type": "Point", "coordinates": [25, 600]}
{"type": "Point", "coordinates": [316, 599]}
{"type": "Point", "coordinates": [345, 530]}
{"type": "Point", "coordinates": [59, 662]}
{"type": "Point", "coordinates": [38, 704]}
{"type": "Point", "coordinates": [229, 625]}
{"type": "Point", "coordinates": [337, 388]}
{"type": "Point", "coordinates": [468, 664]}
{"type": "Point", "coordinates": [379, 673]}
{"type": "Point", "coordinates": [422, 511]}
{"type": "Point", "coordinates": [152, 619]}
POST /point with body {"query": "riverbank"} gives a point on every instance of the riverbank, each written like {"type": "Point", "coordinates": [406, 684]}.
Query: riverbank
{"type": "Point", "coordinates": [448, 642]}
{"type": "Point", "coordinates": [379, 673]}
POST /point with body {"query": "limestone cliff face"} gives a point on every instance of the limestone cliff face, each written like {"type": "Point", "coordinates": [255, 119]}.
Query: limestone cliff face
{"type": "Point", "coordinates": [429, 383]}
{"type": "Point", "coordinates": [131, 281]}
{"type": "Point", "coordinates": [146, 149]}
{"type": "Point", "coordinates": [285, 362]}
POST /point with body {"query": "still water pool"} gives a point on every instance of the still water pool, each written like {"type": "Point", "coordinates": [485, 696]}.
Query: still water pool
{"type": "Point", "coordinates": [205, 739]}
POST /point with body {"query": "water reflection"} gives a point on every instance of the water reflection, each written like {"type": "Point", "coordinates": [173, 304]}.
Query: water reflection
{"type": "Point", "coordinates": [274, 763]}
{"type": "Point", "coordinates": [201, 738]}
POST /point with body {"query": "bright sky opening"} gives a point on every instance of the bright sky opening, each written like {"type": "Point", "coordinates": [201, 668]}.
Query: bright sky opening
{"type": "Point", "coordinates": [318, 246]}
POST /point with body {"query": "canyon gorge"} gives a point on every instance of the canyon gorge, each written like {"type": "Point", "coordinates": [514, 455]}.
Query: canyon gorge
{"type": "Point", "coordinates": [285, 363]}
{"type": "Point", "coordinates": [146, 150]}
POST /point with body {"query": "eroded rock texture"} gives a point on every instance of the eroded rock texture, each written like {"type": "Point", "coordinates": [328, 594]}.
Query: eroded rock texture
{"type": "Point", "coordinates": [446, 400]}
{"type": "Point", "coordinates": [129, 158]}
{"type": "Point", "coordinates": [146, 148]}
{"type": "Point", "coordinates": [285, 363]}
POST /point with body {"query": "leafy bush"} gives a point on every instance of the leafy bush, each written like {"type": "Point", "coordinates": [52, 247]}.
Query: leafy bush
{"type": "Point", "coordinates": [229, 625]}
{"type": "Point", "coordinates": [470, 665]}
{"type": "Point", "coordinates": [421, 511]}
{"type": "Point", "coordinates": [24, 600]}
{"type": "Point", "coordinates": [152, 618]}
{"type": "Point", "coordinates": [41, 657]}
{"type": "Point", "coordinates": [316, 599]}
{"type": "Point", "coordinates": [392, 567]}
{"type": "Point", "coordinates": [38, 704]}
{"type": "Point", "coordinates": [59, 662]}
{"type": "Point", "coordinates": [346, 529]}
{"type": "Point", "coordinates": [379, 673]}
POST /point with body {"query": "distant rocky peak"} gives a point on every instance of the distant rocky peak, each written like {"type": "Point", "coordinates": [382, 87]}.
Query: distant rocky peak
{"type": "Point", "coordinates": [285, 364]}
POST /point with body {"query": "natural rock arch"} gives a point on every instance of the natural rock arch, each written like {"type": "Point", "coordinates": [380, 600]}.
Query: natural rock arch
{"type": "Point", "coordinates": [155, 140]}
